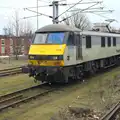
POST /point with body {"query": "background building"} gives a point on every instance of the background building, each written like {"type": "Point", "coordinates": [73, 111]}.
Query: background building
{"type": "Point", "coordinates": [9, 45]}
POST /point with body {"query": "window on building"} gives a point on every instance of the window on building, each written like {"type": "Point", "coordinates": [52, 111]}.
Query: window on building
{"type": "Point", "coordinates": [2, 49]}
{"type": "Point", "coordinates": [109, 41]}
{"type": "Point", "coordinates": [114, 41]}
{"type": "Point", "coordinates": [11, 50]}
{"type": "Point", "coordinates": [102, 41]}
{"type": "Point", "coordinates": [22, 42]}
{"type": "Point", "coordinates": [11, 41]}
{"type": "Point", "coordinates": [88, 41]}
{"type": "Point", "coordinates": [2, 41]}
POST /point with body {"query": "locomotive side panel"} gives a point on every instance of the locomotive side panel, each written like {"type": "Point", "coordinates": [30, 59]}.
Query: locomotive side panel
{"type": "Point", "coordinates": [96, 51]}
{"type": "Point", "coordinates": [92, 52]}
{"type": "Point", "coordinates": [70, 55]}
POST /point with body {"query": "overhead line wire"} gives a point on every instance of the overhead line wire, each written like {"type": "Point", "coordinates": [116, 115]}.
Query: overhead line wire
{"type": "Point", "coordinates": [69, 9]}
{"type": "Point", "coordinates": [39, 13]}
{"type": "Point", "coordinates": [78, 12]}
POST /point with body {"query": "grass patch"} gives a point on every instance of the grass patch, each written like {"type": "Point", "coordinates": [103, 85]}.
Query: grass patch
{"type": "Point", "coordinates": [10, 63]}
{"type": "Point", "coordinates": [98, 94]}
{"type": "Point", "coordinates": [13, 83]}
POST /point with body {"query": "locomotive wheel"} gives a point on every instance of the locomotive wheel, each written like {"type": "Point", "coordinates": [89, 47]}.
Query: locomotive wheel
{"type": "Point", "coordinates": [78, 74]}
{"type": "Point", "coordinates": [66, 80]}
{"type": "Point", "coordinates": [118, 62]}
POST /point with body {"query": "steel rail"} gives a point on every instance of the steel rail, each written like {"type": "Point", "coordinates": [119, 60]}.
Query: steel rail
{"type": "Point", "coordinates": [18, 102]}
{"type": "Point", "coordinates": [10, 69]}
{"type": "Point", "coordinates": [110, 114]}
{"type": "Point", "coordinates": [15, 98]}
{"type": "Point", "coordinates": [12, 72]}
{"type": "Point", "coordinates": [7, 96]}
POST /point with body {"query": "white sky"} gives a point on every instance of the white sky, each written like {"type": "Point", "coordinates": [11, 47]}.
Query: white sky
{"type": "Point", "coordinates": [7, 13]}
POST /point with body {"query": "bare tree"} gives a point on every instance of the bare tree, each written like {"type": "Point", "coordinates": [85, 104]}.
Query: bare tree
{"type": "Point", "coordinates": [18, 27]}
{"type": "Point", "coordinates": [79, 20]}
{"type": "Point", "coordinates": [25, 28]}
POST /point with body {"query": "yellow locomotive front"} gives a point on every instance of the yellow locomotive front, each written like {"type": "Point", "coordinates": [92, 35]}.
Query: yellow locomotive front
{"type": "Point", "coordinates": [46, 55]}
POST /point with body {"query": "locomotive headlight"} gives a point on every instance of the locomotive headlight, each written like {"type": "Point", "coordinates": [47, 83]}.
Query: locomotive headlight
{"type": "Point", "coordinates": [31, 57]}
{"type": "Point", "coordinates": [55, 57]}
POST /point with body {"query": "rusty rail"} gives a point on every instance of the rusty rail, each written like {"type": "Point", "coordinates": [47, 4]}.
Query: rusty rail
{"type": "Point", "coordinates": [110, 114]}
{"type": "Point", "coordinates": [12, 71]}
{"type": "Point", "coordinates": [17, 98]}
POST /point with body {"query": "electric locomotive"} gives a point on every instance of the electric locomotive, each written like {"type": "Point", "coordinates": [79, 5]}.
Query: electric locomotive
{"type": "Point", "coordinates": [60, 52]}
{"type": "Point", "coordinates": [49, 54]}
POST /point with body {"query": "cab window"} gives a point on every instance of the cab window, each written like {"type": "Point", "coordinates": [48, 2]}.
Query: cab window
{"type": "Point", "coordinates": [40, 38]}
{"type": "Point", "coordinates": [109, 41]}
{"type": "Point", "coordinates": [70, 39]}
{"type": "Point", "coordinates": [49, 38]}
{"type": "Point", "coordinates": [55, 38]}
{"type": "Point", "coordinates": [77, 39]}
{"type": "Point", "coordinates": [88, 42]}
{"type": "Point", "coordinates": [114, 41]}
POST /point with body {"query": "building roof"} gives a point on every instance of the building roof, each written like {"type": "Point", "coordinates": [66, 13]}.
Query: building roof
{"type": "Point", "coordinates": [56, 28]}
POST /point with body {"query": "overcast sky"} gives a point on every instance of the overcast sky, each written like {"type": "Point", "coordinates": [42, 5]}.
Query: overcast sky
{"type": "Point", "coordinates": [7, 11]}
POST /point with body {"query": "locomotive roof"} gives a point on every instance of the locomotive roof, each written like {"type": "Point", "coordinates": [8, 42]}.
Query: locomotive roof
{"type": "Point", "coordinates": [93, 33]}
{"type": "Point", "coordinates": [57, 28]}
{"type": "Point", "coordinates": [66, 28]}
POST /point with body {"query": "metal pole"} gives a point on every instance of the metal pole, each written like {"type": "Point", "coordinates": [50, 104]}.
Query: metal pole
{"type": "Point", "coordinates": [54, 12]}
{"type": "Point", "coordinates": [17, 27]}
{"type": "Point", "coordinates": [37, 14]}
{"type": "Point", "coordinates": [57, 12]}
{"type": "Point", "coordinates": [17, 35]}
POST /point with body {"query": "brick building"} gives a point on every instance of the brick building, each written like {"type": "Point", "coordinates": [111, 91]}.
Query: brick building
{"type": "Point", "coordinates": [9, 45]}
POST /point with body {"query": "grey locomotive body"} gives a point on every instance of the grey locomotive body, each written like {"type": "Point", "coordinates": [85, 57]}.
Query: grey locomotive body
{"type": "Point", "coordinates": [81, 51]}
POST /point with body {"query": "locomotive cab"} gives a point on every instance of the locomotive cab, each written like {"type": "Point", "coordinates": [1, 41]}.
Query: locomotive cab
{"type": "Point", "coordinates": [48, 49]}
{"type": "Point", "coordinates": [51, 51]}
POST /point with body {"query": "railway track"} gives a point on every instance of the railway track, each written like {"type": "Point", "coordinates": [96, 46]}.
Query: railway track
{"type": "Point", "coordinates": [111, 114]}
{"type": "Point", "coordinates": [26, 95]}
{"type": "Point", "coordinates": [22, 96]}
{"type": "Point", "coordinates": [10, 71]}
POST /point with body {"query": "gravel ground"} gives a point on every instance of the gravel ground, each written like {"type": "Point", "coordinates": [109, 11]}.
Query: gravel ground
{"type": "Point", "coordinates": [10, 63]}
{"type": "Point", "coordinates": [99, 93]}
